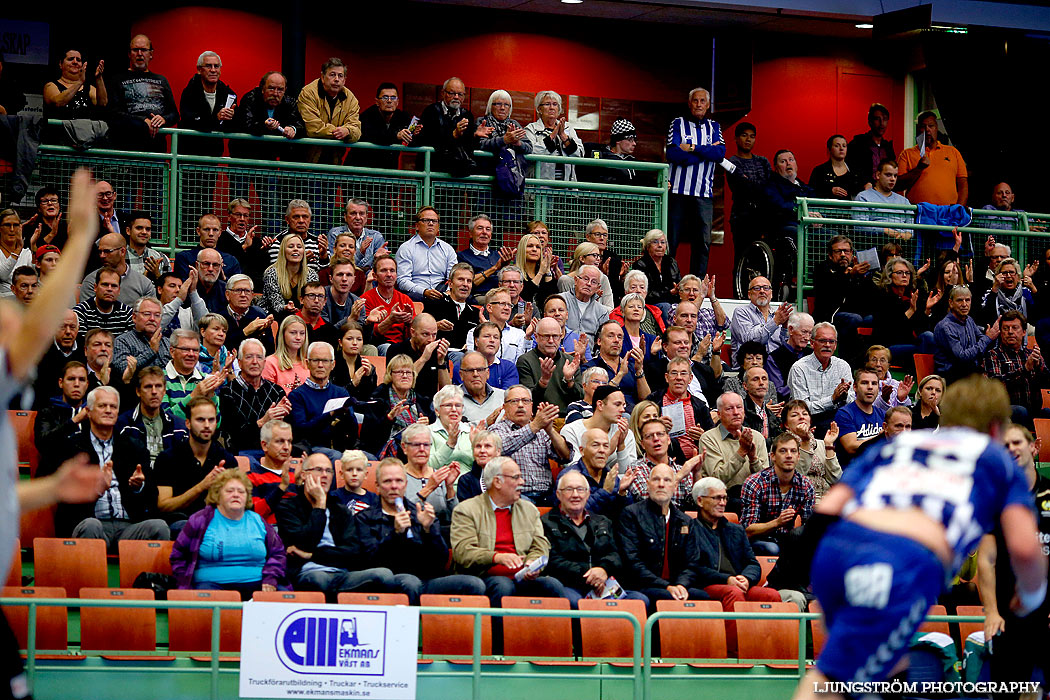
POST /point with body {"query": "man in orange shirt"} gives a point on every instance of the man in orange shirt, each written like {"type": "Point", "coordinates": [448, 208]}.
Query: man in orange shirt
{"type": "Point", "coordinates": [938, 176]}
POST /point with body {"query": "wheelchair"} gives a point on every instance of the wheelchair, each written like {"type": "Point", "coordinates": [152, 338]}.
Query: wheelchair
{"type": "Point", "coordinates": [770, 255]}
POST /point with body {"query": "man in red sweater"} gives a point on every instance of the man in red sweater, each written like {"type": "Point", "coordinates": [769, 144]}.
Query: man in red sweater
{"type": "Point", "coordinates": [398, 308]}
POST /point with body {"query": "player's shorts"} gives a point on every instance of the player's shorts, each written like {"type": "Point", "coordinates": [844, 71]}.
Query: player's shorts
{"type": "Point", "coordinates": [875, 590]}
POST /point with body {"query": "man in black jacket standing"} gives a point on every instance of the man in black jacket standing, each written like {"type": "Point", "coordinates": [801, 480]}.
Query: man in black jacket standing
{"type": "Point", "coordinates": [319, 534]}
{"type": "Point", "coordinates": [660, 544]}
{"type": "Point", "coordinates": [124, 510]}
{"type": "Point", "coordinates": [449, 128]}
{"type": "Point", "coordinates": [206, 105]}
{"type": "Point", "coordinates": [583, 556]}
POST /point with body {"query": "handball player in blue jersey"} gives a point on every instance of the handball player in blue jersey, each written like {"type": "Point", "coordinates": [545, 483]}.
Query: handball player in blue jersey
{"type": "Point", "coordinates": [910, 513]}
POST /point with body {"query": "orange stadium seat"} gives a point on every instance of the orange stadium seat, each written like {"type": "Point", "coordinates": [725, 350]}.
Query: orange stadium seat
{"type": "Point", "coordinates": [537, 636]}
{"type": "Point", "coordinates": [767, 564]}
{"type": "Point", "coordinates": [606, 637]}
{"type": "Point", "coordinates": [190, 629]}
{"type": "Point", "coordinates": [968, 628]}
{"type": "Point", "coordinates": [767, 639]}
{"type": "Point", "coordinates": [923, 366]}
{"type": "Point", "coordinates": [288, 597]}
{"type": "Point", "coordinates": [118, 629]}
{"type": "Point", "coordinates": [23, 422]}
{"type": "Point", "coordinates": [70, 563]}
{"type": "Point", "coordinates": [686, 638]}
{"type": "Point", "coordinates": [36, 523]}
{"type": "Point", "coordinates": [1042, 431]}
{"type": "Point", "coordinates": [941, 627]}
{"type": "Point", "coordinates": [446, 635]}
{"type": "Point", "coordinates": [137, 556]}
{"type": "Point", "coordinates": [817, 629]}
{"type": "Point", "coordinates": [51, 622]}
{"type": "Point", "coordinates": [348, 598]}
{"type": "Point", "coordinates": [733, 517]}
{"type": "Point", "coordinates": [14, 574]}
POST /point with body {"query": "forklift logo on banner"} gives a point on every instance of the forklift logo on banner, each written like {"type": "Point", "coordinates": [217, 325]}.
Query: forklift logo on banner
{"type": "Point", "coordinates": [317, 641]}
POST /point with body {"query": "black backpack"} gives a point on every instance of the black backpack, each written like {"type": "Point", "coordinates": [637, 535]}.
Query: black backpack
{"type": "Point", "coordinates": [510, 173]}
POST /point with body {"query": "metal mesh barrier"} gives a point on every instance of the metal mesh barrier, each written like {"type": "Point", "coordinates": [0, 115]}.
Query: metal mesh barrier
{"type": "Point", "coordinates": [873, 226]}
{"type": "Point", "coordinates": [209, 189]}
{"type": "Point", "coordinates": [141, 184]}
{"type": "Point", "coordinates": [565, 211]}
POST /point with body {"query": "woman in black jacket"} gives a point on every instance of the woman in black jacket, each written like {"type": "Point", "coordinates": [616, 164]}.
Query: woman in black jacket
{"type": "Point", "coordinates": [833, 179]}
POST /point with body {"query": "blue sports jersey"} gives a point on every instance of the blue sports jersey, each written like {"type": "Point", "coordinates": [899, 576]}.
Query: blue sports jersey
{"type": "Point", "coordinates": [956, 476]}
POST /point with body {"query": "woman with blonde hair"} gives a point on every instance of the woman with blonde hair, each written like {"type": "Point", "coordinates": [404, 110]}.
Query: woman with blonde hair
{"type": "Point", "coordinates": [287, 367]}
{"type": "Point", "coordinates": [587, 253]}
{"type": "Point", "coordinates": [534, 260]}
{"type": "Point", "coordinates": [284, 281]}
{"type": "Point", "coordinates": [395, 405]}
{"type": "Point", "coordinates": [901, 311]}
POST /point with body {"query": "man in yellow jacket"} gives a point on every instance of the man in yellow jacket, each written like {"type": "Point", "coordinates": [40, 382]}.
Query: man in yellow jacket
{"type": "Point", "coordinates": [330, 111]}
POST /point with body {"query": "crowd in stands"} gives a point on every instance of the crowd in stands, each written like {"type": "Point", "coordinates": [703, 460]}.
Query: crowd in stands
{"type": "Point", "coordinates": [474, 388]}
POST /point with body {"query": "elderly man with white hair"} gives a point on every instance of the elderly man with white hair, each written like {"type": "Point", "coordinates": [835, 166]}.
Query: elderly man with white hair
{"type": "Point", "coordinates": [732, 451]}
{"type": "Point", "coordinates": [206, 105]}
{"type": "Point", "coordinates": [249, 401]}
{"type": "Point", "coordinates": [799, 344]}
{"type": "Point", "coordinates": [124, 511]}
{"type": "Point", "coordinates": [317, 415]}
{"type": "Point", "coordinates": [246, 320]}
{"type": "Point", "coordinates": [448, 127]}
{"type": "Point", "coordinates": [551, 135]}
{"type": "Point", "coordinates": [144, 344]}
{"type": "Point", "coordinates": [586, 312]}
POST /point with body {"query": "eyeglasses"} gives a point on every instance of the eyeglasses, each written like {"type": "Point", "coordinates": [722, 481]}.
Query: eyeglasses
{"type": "Point", "coordinates": [193, 350]}
{"type": "Point", "coordinates": [140, 50]}
{"type": "Point", "coordinates": [549, 336]}
{"type": "Point", "coordinates": [240, 290]}
{"type": "Point", "coordinates": [318, 470]}
{"type": "Point", "coordinates": [49, 200]}
{"type": "Point", "coordinates": [521, 400]}
{"type": "Point", "coordinates": [315, 297]}
{"type": "Point", "coordinates": [760, 288]}
{"type": "Point", "coordinates": [402, 372]}
{"type": "Point", "coordinates": [389, 98]}
{"type": "Point", "coordinates": [452, 405]}
{"type": "Point", "coordinates": [826, 341]}
{"type": "Point", "coordinates": [516, 283]}
{"type": "Point", "coordinates": [417, 445]}
{"type": "Point", "coordinates": [473, 370]}
{"type": "Point", "coordinates": [429, 222]}
{"type": "Point", "coordinates": [149, 314]}
{"type": "Point", "coordinates": [455, 93]}
{"type": "Point", "coordinates": [104, 195]}
{"type": "Point", "coordinates": [906, 273]}
{"type": "Point", "coordinates": [599, 234]}
{"type": "Point", "coordinates": [574, 489]}
{"type": "Point", "coordinates": [501, 303]}
{"type": "Point", "coordinates": [512, 477]}
{"type": "Point", "coordinates": [718, 499]}
{"type": "Point", "coordinates": [320, 360]}
{"type": "Point", "coordinates": [548, 104]}
{"type": "Point", "coordinates": [201, 263]}
{"type": "Point", "coordinates": [107, 251]}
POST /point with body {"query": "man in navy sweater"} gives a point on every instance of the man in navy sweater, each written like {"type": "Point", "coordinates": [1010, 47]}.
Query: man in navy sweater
{"type": "Point", "coordinates": [331, 431]}
{"type": "Point", "coordinates": [485, 261]}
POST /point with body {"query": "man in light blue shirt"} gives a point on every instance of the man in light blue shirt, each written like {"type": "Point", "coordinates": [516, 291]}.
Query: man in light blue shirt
{"type": "Point", "coordinates": [424, 262]}
{"type": "Point", "coordinates": [882, 193]}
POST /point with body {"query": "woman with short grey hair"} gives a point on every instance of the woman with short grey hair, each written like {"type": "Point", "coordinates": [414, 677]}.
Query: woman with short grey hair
{"type": "Point", "coordinates": [551, 135]}
{"type": "Point", "coordinates": [502, 130]}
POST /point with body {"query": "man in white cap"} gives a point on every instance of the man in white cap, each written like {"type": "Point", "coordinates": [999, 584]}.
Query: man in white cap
{"type": "Point", "coordinates": [622, 141]}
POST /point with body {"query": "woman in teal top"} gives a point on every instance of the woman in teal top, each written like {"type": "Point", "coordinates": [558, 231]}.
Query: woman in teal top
{"type": "Point", "coordinates": [225, 546]}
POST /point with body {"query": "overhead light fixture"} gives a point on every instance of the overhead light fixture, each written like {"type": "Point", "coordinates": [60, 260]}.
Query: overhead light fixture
{"type": "Point", "coordinates": [864, 25]}
{"type": "Point", "coordinates": [573, 2]}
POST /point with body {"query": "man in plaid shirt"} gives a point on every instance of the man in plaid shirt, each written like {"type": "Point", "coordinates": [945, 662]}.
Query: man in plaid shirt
{"type": "Point", "coordinates": [1022, 370]}
{"type": "Point", "coordinates": [774, 496]}
{"type": "Point", "coordinates": [249, 401]}
{"type": "Point", "coordinates": [529, 438]}
{"type": "Point", "coordinates": [655, 443]}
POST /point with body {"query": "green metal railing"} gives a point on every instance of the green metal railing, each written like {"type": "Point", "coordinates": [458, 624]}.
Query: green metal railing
{"type": "Point", "coordinates": [821, 219]}
{"type": "Point", "coordinates": [176, 188]}
{"type": "Point", "coordinates": [642, 659]}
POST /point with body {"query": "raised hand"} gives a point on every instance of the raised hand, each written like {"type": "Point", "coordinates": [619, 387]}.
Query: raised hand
{"type": "Point", "coordinates": [425, 514]}
{"type": "Point", "coordinates": [129, 371]}
{"type": "Point", "coordinates": [904, 388]}
{"type": "Point", "coordinates": [137, 478]}
{"type": "Point", "coordinates": [546, 370]}
{"type": "Point", "coordinates": [832, 435]}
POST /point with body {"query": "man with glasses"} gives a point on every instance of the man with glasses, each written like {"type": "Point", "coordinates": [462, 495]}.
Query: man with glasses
{"type": "Point", "coordinates": [586, 311]}
{"type": "Point", "coordinates": [821, 379]}
{"type": "Point", "coordinates": [531, 441]}
{"type": "Point", "coordinates": [756, 322]}
{"type": "Point", "coordinates": [317, 417]}
{"type": "Point", "coordinates": [141, 102]}
{"type": "Point", "coordinates": [63, 350]}
{"type": "Point", "coordinates": [449, 128]}
{"type": "Point", "coordinates": [102, 309]}
{"type": "Point", "coordinates": [584, 553]}
{"type": "Point", "coordinates": [321, 537]}
{"type": "Point", "coordinates": [498, 308]}
{"type": "Point", "coordinates": [210, 278]}
{"type": "Point", "coordinates": [110, 220]}
{"type": "Point", "coordinates": [113, 250]}
{"type": "Point", "coordinates": [656, 449]}
{"type": "Point", "coordinates": [206, 105]}
{"type": "Point", "coordinates": [696, 411]}
{"type": "Point", "coordinates": [727, 570]}
{"type": "Point", "coordinates": [209, 229]}
{"type": "Point", "coordinates": [496, 534]}
{"type": "Point", "coordinates": [799, 344]}
{"type": "Point", "coordinates": [425, 262]}
{"type": "Point", "coordinates": [842, 288]}
{"type": "Point", "coordinates": [481, 401]}
{"type": "Point", "coordinates": [144, 345]}
{"type": "Point", "coordinates": [994, 253]}
{"type": "Point", "coordinates": [245, 319]}
{"type": "Point", "coordinates": [184, 381]}
{"type": "Point", "coordinates": [241, 240]}
{"type": "Point", "coordinates": [548, 371]}
{"type": "Point", "coordinates": [383, 124]}
{"type": "Point", "coordinates": [312, 302]}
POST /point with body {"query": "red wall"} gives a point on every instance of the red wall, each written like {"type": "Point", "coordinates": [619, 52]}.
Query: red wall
{"type": "Point", "coordinates": [798, 101]}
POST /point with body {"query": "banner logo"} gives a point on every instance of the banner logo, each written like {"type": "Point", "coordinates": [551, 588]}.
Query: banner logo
{"type": "Point", "coordinates": [332, 643]}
